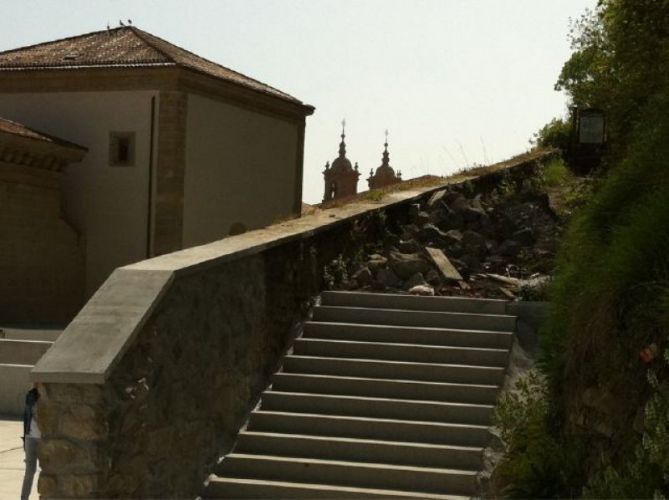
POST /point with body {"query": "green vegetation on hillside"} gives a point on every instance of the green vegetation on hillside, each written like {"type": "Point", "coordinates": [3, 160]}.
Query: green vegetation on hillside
{"type": "Point", "coordinates": [600, 426]}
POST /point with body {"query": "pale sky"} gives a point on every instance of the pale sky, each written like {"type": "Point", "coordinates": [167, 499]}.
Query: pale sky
{"type": "Point", "coordinates": [456, 82]}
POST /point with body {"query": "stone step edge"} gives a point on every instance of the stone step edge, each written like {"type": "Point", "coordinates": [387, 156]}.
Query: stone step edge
{"type": "Point", "coordinates": [372, 420]}
{"type": "Point", "coordinates": [411, 311]}
{"type": "Point", "coordinates": [392, 361]}
{"type": "Point", "coordinates": [381, 379]}
{"type": "Point", "coordinates": [372, 399]}
{"type": "Point", "coordinates": [382, 442]}
{"type": "Point", "coordinates": [409, 296]}
{"type": "Point", "coordinates": [434, 329]}
{"type": "Point", "coordinates": [333, 488]}
{"type": "Point", "coordinates": [316, 340]}
{"type": "Point", "coordinates": [347, 463]}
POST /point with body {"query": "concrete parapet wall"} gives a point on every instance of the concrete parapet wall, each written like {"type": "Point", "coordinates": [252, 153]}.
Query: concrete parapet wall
{"type": "Point", "coordinates": [154, 377]}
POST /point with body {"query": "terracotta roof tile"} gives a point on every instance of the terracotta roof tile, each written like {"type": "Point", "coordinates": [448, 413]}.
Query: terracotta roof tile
{"type": "Point", "coordinates": [122, 47]}
{"type": "Point", "coordinates": [14, 128]}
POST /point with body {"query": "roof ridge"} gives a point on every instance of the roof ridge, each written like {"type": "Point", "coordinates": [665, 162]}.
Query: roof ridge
{"type": "Point", "coordinates": [135, 30]}
{"type": "Point", "coordinates": [74, 37]}
{"type": "Point", "coordinates": [139, 33]}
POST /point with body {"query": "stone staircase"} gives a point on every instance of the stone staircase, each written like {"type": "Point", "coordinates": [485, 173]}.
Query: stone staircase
{"type": "Point", "coordinates": [20, 349]}
{"type": "Point", "coordinates": [384, 396]}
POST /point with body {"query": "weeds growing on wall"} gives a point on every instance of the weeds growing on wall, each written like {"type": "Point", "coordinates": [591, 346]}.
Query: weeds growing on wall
{"type": "Point", "coordinates": [644, 473]}
{"type": "Point", "coordinates": [556, 173]}
{"type": "Point", "coordinates": [537, 462]}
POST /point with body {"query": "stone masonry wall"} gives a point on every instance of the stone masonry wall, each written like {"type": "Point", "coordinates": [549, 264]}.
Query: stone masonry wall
{"type": "Point", "coordinates": [185, 382]}
{"type": "Point", "coordinates": [179, 395]}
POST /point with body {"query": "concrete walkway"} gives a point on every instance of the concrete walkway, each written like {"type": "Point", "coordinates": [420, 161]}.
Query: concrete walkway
{"type": "Point", "coordinates": [11, 461]}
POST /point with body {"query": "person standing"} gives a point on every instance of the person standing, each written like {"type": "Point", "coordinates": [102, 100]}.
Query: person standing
{"type": "Point", "coordinates": [31, 437]}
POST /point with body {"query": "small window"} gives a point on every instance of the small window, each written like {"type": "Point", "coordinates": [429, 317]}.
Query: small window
{"type": "Point", "coordinates": [122, 149]}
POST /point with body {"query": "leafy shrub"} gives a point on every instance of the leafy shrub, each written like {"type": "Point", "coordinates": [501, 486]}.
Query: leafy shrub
{"type": "Point", "coordinates": [535, 289]}
{"type": "Point", "coordinates": [335, 272]}
{"type": "Point", "coordinates": [610, 299]}
{"type": "Point", "coordinates": [555, 134]}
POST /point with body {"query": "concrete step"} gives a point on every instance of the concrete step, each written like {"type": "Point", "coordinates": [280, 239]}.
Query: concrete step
{"type": "Point", "coordinates": [359, 450]}
{"type": "Point", "coordinates": [401, 352]}
{"type": "Point", "coordinates": [434, 372]}
{"type": "Point", "coordinates": [408, 335]}
{"type": "Point", "coordinates": [384, 388]}
{"type": "Point", "coordinates": [14, 383]}
{"type": "Point", "coordinates": [399, 317]}
{"type": "Point", "coordinates": [401, 409]}
{"type": "Point", "coordinates": [22, 352]}
{"type": "Point", "coordinates": [47, 334]}
{"type": "Point", "coordinates": [383, 396]}
{"type": "Point", "coordinates": [369, 428]}
{"type": "Point", "coordinates": [335, 472]}
{"type": "Point", "coordinates": [414, 303]}
{"type": "Point", "coordinates": [224, 487]}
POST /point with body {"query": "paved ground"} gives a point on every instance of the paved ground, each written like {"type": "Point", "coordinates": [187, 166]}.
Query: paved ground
{"type": "Point", "coordinates": [11, 460]}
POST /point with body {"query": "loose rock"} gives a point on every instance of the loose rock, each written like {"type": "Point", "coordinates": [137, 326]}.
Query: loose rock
{"type": "Point", "coordinates": [447, 270]}
{"type": "Point", "coordinates": [363, 276]}
{"type": "Point", "coordinates": [415, 280]}
{"type": "Point", "coordinates": [422, 290]}
{"type": "Point", "coordinates": [406, 265]}
{"type": "Point", "coordinates": [386, 278]}
{"type": "Point", "coordinates": [453, 236]}
{"type": "Point", "coordinates": [430, 232]}
{"type": "Point", "coordinates": [422, 218]}
{"type": "Point", "coordinates": [459, 204]}
{"type": "Point", "coordinates": [408, 246]}
{"type": "Point", "coordinates": [474, 243]}
{"type": "Point", "coordinates": [376, 261]}
{"type": "Point", "coordinates": [436, 198]}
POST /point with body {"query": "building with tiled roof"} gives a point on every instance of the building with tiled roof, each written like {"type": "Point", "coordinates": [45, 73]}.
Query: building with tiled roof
{"type": "Point", "coordinates": [12, 131]}
{"type": "Point", "coordinates": [181, 150]}
{"type": "Point", "coordinates": [41, 255]}
{"type": "Point", "coordinates": [125, 47]}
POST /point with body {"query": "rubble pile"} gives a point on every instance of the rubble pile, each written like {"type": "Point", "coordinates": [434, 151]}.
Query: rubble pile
{"type": "Point", "coordinates": [490, 244]}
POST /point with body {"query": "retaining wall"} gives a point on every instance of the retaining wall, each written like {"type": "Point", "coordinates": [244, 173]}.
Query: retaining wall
{"type": "Point", "coordinates": [151, 381]}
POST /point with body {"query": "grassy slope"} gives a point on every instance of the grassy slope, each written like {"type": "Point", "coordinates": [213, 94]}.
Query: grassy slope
{"type": "Point", "coordinates": [608, 418]}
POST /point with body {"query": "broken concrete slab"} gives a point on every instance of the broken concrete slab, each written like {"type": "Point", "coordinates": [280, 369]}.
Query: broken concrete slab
{"type": "Point", "coordinates": [447, 270]}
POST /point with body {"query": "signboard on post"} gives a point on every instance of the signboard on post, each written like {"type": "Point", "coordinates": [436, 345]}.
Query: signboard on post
{"type": "Point", "coordinates": [591, 127]}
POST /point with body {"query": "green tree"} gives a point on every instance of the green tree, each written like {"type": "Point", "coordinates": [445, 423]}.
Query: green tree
{"type": "Point", "coordinates": [620, 61]}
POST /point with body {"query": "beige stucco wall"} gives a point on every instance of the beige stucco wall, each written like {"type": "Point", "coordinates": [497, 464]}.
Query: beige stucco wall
{"type": "Point", "coordinates": [240, 168]}
{"type": "Point", "coordinates": [41, 258]}
{"type": "Point", "coordinates": [109, 205]}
